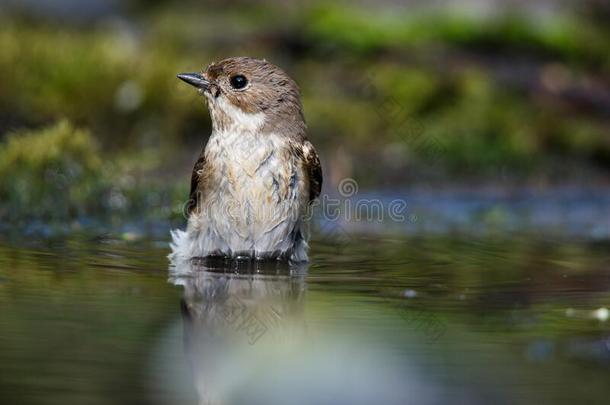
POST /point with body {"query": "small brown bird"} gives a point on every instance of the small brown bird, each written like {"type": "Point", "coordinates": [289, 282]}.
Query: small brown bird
{"type": "Point", "coordinates": [258, 174]}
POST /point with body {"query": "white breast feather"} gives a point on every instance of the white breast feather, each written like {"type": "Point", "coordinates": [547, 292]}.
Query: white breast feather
{"type": "Point", "coordinates": [256, 200]}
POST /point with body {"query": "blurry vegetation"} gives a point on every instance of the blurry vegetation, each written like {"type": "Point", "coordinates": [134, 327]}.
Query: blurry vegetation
{"type": "Point", "coordinates": [505, 91]}
{"type": "Point", "coordinates": [101, 78]}
{"type": "Point", "coordinates": [57, 174]}
{"type": "Point", "coordinates": [563, 37]}
{"type": "Point", "coordinates": [37, 167]}
{"type": "Point", "coordinates": [398, 90]}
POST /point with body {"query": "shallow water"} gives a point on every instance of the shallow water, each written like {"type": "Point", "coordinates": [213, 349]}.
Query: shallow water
{"type": "Point", "coordinates": [371, 320]}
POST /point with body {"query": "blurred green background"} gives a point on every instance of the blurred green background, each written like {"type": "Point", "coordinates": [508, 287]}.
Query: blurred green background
{"type": "Point", "coordinates": [94, 124]}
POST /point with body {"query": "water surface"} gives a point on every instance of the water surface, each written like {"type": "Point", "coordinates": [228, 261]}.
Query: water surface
{"type": "Point", "coordinates": [392, 320]}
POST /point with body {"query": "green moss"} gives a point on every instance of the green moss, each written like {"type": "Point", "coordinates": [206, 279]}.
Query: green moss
{"type": "Point", "coordinates": [56, 174]}
{"type": "Point", "coordinates": [51, 172]}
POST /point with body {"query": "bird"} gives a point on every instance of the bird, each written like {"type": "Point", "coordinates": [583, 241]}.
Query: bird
{"type": "Point", "coordinates": [256, 179]}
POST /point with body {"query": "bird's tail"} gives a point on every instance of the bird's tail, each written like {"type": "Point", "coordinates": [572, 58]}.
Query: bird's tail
{"type": "Point", "coordinates": [180, 246]}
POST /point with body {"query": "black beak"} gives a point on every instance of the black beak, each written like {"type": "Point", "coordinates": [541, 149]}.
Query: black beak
{"type": "Point", "coordinates": [195, 79]}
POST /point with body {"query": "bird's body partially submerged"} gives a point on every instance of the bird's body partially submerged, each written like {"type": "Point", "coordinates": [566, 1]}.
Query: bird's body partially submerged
{"type": "Point", "coordinates": [253, 184]}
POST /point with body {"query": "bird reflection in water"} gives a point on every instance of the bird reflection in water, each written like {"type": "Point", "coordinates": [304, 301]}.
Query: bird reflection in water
{"type": "Point", "coordinates": [236, 318]}
{"type": "Point", "coordinates": [250, 340]}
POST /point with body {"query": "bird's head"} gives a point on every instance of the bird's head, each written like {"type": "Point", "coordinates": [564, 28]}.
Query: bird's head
{"type": "Point", "coordinates": [249, 94]}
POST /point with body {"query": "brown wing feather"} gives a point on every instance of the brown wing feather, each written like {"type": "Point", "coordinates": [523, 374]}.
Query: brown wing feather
{"type": "Point", "coordinates": [196, 191]}
{"type": "Point", "coordinates": [313, 169]}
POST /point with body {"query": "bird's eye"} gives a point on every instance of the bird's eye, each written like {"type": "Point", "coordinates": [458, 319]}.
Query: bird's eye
{"type": "Point", "coordinates": [238, 81]}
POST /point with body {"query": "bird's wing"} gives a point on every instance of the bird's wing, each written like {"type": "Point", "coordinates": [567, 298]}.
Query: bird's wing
{"type": "Point", "coordinates": [198, 172]}
{"type": "Point", "coordinates": [313, 170]}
